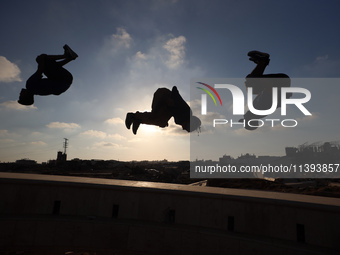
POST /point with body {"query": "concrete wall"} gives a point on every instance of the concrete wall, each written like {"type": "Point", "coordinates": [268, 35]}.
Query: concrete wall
{"type": "Point", "coordinates": [55, 214]}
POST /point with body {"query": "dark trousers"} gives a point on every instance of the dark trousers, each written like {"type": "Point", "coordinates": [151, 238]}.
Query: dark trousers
{"type": "Point", "coordinates": [160, 109]}
{"type": "Point", "coordinates": [58, 79]}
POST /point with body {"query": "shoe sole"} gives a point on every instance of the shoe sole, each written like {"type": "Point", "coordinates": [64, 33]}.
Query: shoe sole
{"type": "Point", "coordinates": [70, 51]}
{"type": "Point", "coordinates": [257, 54]}
{"type": "Point", "coordinates": [128, 120]}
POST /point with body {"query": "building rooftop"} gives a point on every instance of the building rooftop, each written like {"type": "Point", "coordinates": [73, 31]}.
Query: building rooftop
{"type": "Point", "coordinates": [292, 199]}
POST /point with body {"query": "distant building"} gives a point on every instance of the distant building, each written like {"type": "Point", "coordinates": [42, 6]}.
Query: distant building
{"type": "Point", "coordinates": [246, 159]}
{"type": "Point", "coordinates": [61, 157]}
{"type": "Point", "coordinates": [26, 162]}
{"type": "Point", "coordinates": [315, 150]}
{"type": "Point", "coordinates": [291, 151]}
{"type": "Point", "coordinates": [225, 159]}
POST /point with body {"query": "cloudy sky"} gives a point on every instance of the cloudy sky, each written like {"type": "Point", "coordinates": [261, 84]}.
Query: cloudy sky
{"type": "Point", "coordinates": [128, 49]}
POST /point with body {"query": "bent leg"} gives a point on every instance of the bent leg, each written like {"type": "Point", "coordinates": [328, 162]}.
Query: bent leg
{"type": "Point", "coordinates": [258, 70]}
{"type": "Point", "coordinates": [159, 118]}
{"type": "Point", "coordinates": [68, 56]}
{"type": "Point", "coordinates": [277, 80]}
{"type": "Point", "coordinates": [264, 100]}
{"type": "Point", "coordinates": [161, 97]}
{"type": "Point", "coordinates": [38, 85]}
{"type": "Point", "coordinates": [150, 118]}
{"type": "Point", "coordinates": [58, 79]}
{"type": "Point", "coordinates": [159, 115]}
{"type": "Point", "coordinates": [34, 82]}
{"type": "Point", "coordinates": [255, 78]}
{"type": "Point", "coordinates": [55, 72]}
{"type": "Point", "coordinates": [261, 60]}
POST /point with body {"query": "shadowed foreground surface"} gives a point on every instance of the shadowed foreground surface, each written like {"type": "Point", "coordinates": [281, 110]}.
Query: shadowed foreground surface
{"type": "Point", "coordinates": [43, 214]}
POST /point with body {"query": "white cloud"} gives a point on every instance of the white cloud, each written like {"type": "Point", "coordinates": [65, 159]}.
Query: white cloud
{"type": "Point", "coordinates": [321, 58]}
{"type": "Point", "coordinates": [9, 72]}
{"type": "Point", "coordinates": [39, 143]}
{"type": "Point", "coordinates": [3, 132]}
{"type": "Point", "coordinates": [14, 105]}
{"type": "Point", "coordinates": [115, 46]}
{"type": "Point", "coordinates": [35, 133]}
{"type": "Point", "coordinates": [121, 39]}
{"type": "Point", "coordinates": [63, 125]}
{"type": "Point", "coordinates": [310, 120]}
{"type": "Point", "coordinates": [106, 144]}
{"type": "Point", "coordinates": [117, 137]}
{"type": "Point", "coordinates": [169, 53]}
{"type": "Point", "coordinates": [94, 133]}
{"type": "Point", "coordinates": [3, 141]}
{"type": "Point", "coordinates": [174, 130]}
{"type": "Point", "coordinates": [140, 55]}
{"type": "Point", "coordinates": [114, 121]}
{"type": "Point", "coordinates": [102, 135]}
{"type": "Point", "coordinates": [176, 48]}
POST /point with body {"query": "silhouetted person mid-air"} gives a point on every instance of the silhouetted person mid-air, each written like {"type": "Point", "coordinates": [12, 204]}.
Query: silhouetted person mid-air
{"type": "Point", "coordinates": [58, 78]}
{"type": "Point", "coordinates": [262, 85]}
{"type": "Point", "coordinates": [165, 104]}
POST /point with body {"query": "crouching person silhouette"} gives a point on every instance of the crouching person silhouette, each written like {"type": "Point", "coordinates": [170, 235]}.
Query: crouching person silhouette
{"type": "Point", "coordinates": [262, 85]}
{"type": "Point", "coordinates": [58, 78]}
{"type": "Point", "coordinates": [165, 104]}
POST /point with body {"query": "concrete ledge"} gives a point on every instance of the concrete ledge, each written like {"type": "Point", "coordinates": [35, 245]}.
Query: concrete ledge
{"type": "Point", "coordinates": [156, 218]}
{"type": "Point", "coordinates": [294, 199]}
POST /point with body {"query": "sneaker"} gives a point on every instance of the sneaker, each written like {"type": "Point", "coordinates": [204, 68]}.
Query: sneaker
{"type": "Point", "coordinates": [257, 56]}
{"type": "Point", "coordinates": [135, 126]}
{"type": "Point", "coordinates": [69, 52]}
{"type": "Point", "coordinates": [26, 97]}
{"type": "Point", "coordinates": [129, 119]}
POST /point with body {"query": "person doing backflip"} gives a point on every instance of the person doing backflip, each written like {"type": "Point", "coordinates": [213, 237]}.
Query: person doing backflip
{"type": "Point", "coordinates": [165, 104]}
{"type": "Point", "coordinates": [262, 85]}
{"type": "Point", "coordinates": [58, 78]}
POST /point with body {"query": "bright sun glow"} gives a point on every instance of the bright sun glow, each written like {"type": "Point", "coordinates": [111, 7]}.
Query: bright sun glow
{"type": "Point", "coordinates": [148, 129]}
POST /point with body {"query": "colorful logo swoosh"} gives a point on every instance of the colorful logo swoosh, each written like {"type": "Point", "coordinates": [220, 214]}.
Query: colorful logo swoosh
{"type": "Point", "coordinates": [209, 93]}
